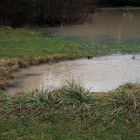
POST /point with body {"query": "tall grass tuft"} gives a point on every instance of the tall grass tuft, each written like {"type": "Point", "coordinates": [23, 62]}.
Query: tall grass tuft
{"type": "Point", "coordinates": [125, 103]}
{"type": "Point", "coordinates": [75, 101]}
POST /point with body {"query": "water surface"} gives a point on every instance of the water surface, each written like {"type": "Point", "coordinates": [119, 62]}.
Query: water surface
{"type": "Point", "coordinates": [99, 74]}
{"type": "Point", "coordinates": [108, 23]}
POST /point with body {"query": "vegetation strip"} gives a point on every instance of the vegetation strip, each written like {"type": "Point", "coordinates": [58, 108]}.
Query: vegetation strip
{"type": "Point", "coordinates": [71, 113]}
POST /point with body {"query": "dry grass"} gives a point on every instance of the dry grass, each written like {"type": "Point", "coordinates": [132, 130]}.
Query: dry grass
{"type": "Point", "coordinates": [8, 67]}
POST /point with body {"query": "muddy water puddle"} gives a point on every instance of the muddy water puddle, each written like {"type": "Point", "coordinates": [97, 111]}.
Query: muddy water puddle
{"type": "Point", "coordinates": [99, 74]}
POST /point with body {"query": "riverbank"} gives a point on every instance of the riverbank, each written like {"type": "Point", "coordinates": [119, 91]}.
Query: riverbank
{"type": "Point", "coordinates": [23, 47]}
{"type": "Point", "coordinates": [71, 113]}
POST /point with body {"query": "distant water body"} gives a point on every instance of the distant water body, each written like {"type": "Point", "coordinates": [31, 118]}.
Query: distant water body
{"type": "Point", "coordinates": [110, 23]}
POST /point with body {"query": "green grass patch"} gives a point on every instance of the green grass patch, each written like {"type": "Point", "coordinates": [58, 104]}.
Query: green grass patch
{"type": "Point", "coordinates": [24, 43]}
{"type": "Point", "coordinates": [71, 113]}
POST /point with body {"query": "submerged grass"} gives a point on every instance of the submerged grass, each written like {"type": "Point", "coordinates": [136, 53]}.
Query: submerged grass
{"type": "Point", "coordinates": [71, 113]}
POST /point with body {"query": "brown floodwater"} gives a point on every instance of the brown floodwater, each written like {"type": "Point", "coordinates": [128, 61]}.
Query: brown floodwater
{"type": "Point", "coordinates": [99, 74]}
{"type": "Point", "coordinates": [111, 23]}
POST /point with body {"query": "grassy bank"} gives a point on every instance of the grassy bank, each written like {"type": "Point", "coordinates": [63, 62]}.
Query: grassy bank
{"type": "Point", "coordinates": [29, 44]}
{"type": "Point", "coordinates": [22, 47]}
{"type": "Point", "coordinates": [71, 113]}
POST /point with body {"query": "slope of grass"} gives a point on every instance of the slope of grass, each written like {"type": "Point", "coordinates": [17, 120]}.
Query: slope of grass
{"type": "Point", "coordinates": [71, 113]}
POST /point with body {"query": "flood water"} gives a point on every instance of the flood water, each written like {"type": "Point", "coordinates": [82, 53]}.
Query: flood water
{"type": "Point", "coordinates": [108, 23]}
{"type": "Point", "coordinates": [99, 74]}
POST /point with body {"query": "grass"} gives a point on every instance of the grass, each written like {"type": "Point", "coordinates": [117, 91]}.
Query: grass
{"type": "Point", "coordinates": [23, 44]}
{"type": "Point", "coordinates": [28, 44]}
{"type": "Point", "coordinates": [71, 113]}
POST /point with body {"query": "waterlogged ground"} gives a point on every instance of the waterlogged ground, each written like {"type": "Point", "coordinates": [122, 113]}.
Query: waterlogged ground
{"type": "Point", "coordinates": [99, 74]}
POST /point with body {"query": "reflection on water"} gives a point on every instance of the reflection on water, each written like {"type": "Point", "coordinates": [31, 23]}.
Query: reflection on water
{"type": "Point", "coordinates": [97, 74]}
